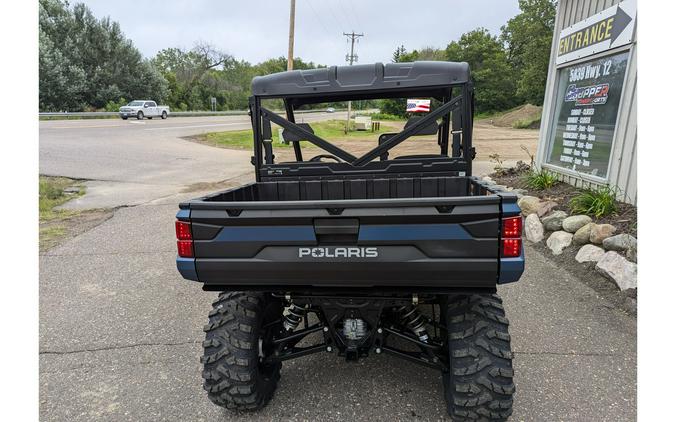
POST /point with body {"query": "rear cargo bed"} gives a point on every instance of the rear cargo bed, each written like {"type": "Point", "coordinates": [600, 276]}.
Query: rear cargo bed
{"type": "Point", "coordinates": [354, 188]}
{"type": "Point", "coordinates": [421, 232]}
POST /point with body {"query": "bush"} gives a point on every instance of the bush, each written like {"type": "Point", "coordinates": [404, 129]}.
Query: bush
{"type": "Point", "coordinates": [599, 202]}
{"type": "Point", "coordinates": [384, 116]}
{"type": "Point", "coordinates": [540, 179]}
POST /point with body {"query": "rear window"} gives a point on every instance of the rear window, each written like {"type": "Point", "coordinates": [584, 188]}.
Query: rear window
{"type": "Point", "coordinates": [135, 103]}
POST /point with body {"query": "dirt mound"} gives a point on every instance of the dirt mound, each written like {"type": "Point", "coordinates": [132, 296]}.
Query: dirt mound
{"type": "Point", "coordinates": [525, 116]}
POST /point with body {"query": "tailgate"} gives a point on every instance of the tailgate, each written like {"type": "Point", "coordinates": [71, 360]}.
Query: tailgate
{"type": "Point", "coordinates": [428, 242]}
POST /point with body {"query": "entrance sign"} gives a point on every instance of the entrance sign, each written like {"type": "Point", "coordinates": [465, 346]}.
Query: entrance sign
{"type": "Point", "coordinates": [587, 103]}
{"type": "Point", "coordinates": [613, 27]}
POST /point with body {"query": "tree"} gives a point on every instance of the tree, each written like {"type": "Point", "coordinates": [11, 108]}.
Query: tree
{"type": "Point", "coordinates": [398, 53]}
{"type": "Point", "coordinates": [490, 69]}
{"type": "Point", "coordinates": [86, 62]}
{"type": "Point", "coordinates": [528, 38]}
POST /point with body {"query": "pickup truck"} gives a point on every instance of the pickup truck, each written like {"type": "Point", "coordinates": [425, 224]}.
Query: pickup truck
{"type": "Point", "coordinates": [143, 108]}
{"type": "Point", "coordinates": [358, 255]}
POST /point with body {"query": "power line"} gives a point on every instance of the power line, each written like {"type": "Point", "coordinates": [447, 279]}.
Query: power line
{"type": "Point", "coordinates": [330, 9]}
{"type": "Point", "coordinates": [356, 16]}
{"type": "Point", "coordinates": [316, 15]}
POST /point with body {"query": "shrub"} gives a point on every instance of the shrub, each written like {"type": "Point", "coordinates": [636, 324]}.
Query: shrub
{"type": "Point", "coordinates": [540, 179]}
{"type": "Point", "coordinates": [599, 202]}
{"type": "Point", "coordinates": [384, 116]}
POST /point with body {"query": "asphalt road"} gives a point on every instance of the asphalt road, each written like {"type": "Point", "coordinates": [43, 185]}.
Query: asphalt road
{"type": "Point", "coordinates": [120, 331]}
{"type": "Point", "coordinates": [132, 162]}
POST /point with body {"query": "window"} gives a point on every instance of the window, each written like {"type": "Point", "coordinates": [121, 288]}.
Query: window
{"type": "Point", "coordinates": [586, 107]}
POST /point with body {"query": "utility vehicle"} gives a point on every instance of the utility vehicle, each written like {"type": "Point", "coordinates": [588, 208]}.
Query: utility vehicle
{"type": "Point", "coordinates": [358, 255]}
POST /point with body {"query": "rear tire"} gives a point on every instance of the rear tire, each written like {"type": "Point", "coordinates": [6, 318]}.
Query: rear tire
{"type": "Point", "coordinates": [164, 115]}
{"type": "Point", "coordinates": [235, 375]}
{"type": "Point", "coordinates": [479, 384]}
{"type": "Point", "coordinates": [139, 115]}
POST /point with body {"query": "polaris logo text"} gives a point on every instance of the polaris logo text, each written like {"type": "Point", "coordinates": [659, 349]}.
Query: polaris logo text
{"type": "Point", "coordinates": [352, 252]}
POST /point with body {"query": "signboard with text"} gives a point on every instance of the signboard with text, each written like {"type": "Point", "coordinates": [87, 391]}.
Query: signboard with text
{"type": "Point", "coordinates": [587, 103]}
{"type": "Point", "coordinates": [611, 28]}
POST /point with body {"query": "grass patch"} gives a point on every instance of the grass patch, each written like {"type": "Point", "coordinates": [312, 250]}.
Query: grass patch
{"type": "Point", "coordinates": [540, 179]}
{"type": "Point", "coordinates": [329, 130]}
{"type": "Point", "coordinates": [598, 203]}
{"type": "Point", "coordinates": [533, 123]}
{"type": "Point", "coordinates": [385, 116]}
{"type": "Point", "coordinates": [52, 194]}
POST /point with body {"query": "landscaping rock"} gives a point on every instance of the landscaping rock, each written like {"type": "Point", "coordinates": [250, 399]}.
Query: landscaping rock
{"type": "Point", "coordinates": [583, 235]}
{"type": "Point", "coordinates": [620, 242]}
{"type": "Point", "coordinates": [618, 269]}
{"type": "Point", "coordinates": [529, 204]}
{"type": "Point", "coordinates": [534, 230]}
{"type": "Point", "coordinates": [558, 241]}
{"type": "Point", "coordinates": [600, 232]}
{"type": "Point", "coordinates": [546, 207]}
{"type": "Point", "coordinates": [575, 222]}
{"type": "Point", "coordinates": [589, 253]}
{"type": "Point", "coordinates": [488, 180]}
{"type": "Point", "coordinates": [520, 192]}
{"type": "Point", "coordinates": [498, 188]}
{"type": "Point", "coordinates": [631, 254]}
{"type": "Point", "coordinates": [553, 221]}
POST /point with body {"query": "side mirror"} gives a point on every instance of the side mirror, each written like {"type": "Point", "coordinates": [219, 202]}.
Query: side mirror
{"type": "Point", "coordinates": [145, 106]}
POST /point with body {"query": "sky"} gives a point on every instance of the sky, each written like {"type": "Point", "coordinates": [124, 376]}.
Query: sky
{"type": "Point", "coordinates": [258, 30]}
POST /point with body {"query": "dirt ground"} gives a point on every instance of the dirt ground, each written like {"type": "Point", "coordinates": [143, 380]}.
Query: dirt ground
{"type": "Point", "coordinates": [488, 139]}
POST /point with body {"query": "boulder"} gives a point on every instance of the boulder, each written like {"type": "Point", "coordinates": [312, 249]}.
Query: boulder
{"type": "Point", "coordinates": [488, 180]}
{"type": "Point", "coordinates": [529, 204]}
{"type": "Point", "coordinates": [583, 235]}
{"type": "Point", "coordinates": [618, 269]}
{"type": "Point", "coordinates": [519, 192]}
{"type": "Point", "coordinates": [553, 221]}
{"type": "Point", "coordinates": [620, 242]}
{"type": "Point", "coordinates": [546, 207]}
{"type": "Point", "coordinates": [498, 188]}
{"type": "Point", "coordinates": [534, 230]}
{"type": "Point", "coordinates": [600, 232]}
{"type": "Point", "coordinates": [631, 254]}
{"type": "Point", "coordinates": [573, 223]}
{"type": "Point", "coordinates": [589, 253]}
{"type": "Point", "coordinates": [558, 241]}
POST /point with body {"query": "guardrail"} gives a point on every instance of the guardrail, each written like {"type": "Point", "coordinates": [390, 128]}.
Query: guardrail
{"type": "Point", "coordinates": [94, 114]}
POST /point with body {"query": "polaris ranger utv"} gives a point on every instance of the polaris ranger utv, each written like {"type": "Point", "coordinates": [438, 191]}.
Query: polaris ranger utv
{"type": "Point", "coordinates": [358, 255]}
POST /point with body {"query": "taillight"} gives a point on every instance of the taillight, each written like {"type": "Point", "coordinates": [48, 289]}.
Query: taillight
{"type": "Point", "coordinates": [512, 231]}
{"type": "Point", "coordinates": [184, 236]}
{"type": "Point", "coordinates": [183, 230]}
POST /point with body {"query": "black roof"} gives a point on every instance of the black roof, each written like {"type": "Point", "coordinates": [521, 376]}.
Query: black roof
{"type": "Point", "coordinates": [368, 80]}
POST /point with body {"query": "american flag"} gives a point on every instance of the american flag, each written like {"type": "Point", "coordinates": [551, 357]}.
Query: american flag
{"type": "Point", "coordinates": [415, 106]}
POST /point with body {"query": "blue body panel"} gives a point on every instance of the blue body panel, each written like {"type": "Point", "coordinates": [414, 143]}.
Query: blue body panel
{"type": "Point", "coordinates": [187, 268]}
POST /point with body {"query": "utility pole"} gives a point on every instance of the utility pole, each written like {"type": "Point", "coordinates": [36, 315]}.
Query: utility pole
{"type": "Point", "coordinates": [351, 58]}
{"type": "Point", "coordinates": [291, 37]}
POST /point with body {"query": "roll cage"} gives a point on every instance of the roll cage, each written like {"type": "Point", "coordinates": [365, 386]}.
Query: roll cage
{"type": "Point", "coordinates": [446, 82]}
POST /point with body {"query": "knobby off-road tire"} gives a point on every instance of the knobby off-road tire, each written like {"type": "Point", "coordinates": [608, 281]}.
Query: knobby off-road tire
{"type": "Point", "coordinates": [479, 384]}
{"type": "Point", "coordinates": [234, 375]}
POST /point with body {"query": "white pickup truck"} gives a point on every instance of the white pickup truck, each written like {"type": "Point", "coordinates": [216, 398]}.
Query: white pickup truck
{"type": "Point", "coordinates": [143, 108]}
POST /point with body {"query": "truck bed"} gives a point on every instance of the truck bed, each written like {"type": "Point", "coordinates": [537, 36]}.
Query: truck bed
{"type": "Point", "coordinates": [400, 232]}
